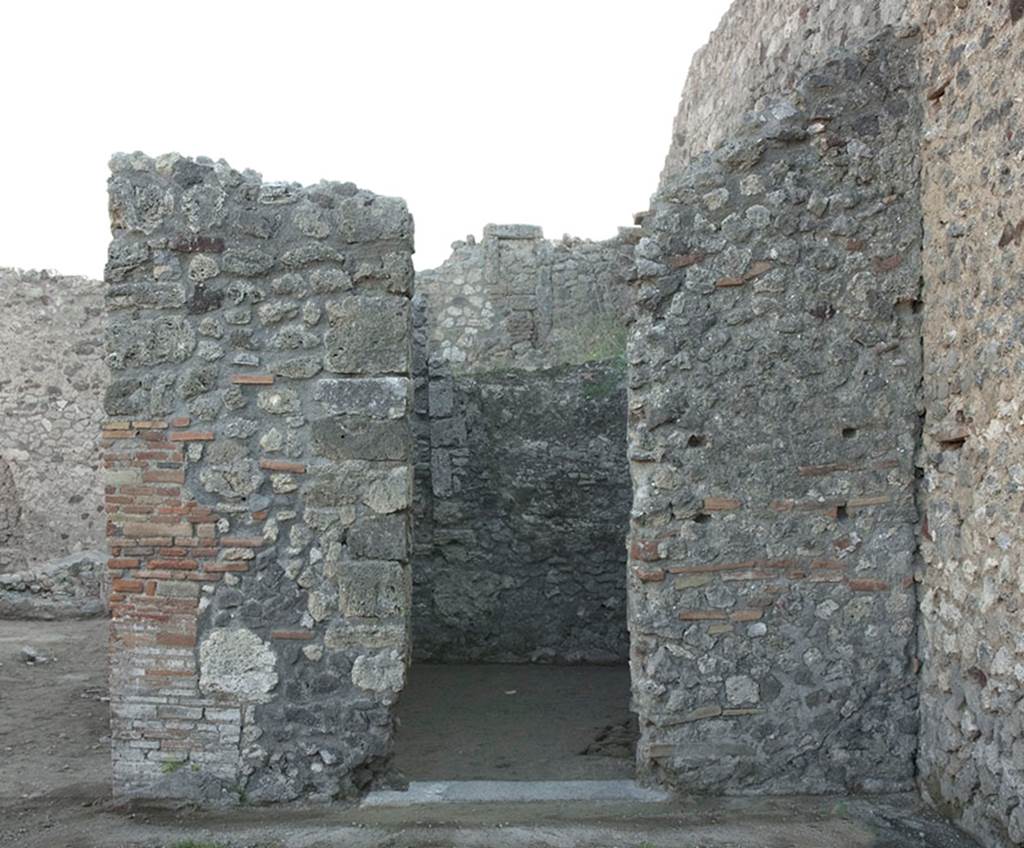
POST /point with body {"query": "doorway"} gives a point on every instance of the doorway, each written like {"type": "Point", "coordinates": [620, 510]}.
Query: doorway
{"type": "Point", "coordinates": [520, 644]}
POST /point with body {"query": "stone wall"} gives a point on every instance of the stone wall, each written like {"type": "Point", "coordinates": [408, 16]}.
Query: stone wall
{"type": "Point", "coordinates": [517, 300]}
{"type": "Point", "coordinates": [258, 478]}
{"type": "Point", "coordinates": [760, 50]}
{"type": "Point", "coordinates": [526, 551]}
{"type": "Point", "coordinates": [774, 407]}
{"type": "Point", "coordinates": [10, 510]}
{"type": "Point", "coordinates": [70, 587]}
{"type": "Point", "coordinates": [52, 377]}
{"type": "Point", "coordinates": [972, 607]}
{"type": "Point", "coordinates": [522, 488]}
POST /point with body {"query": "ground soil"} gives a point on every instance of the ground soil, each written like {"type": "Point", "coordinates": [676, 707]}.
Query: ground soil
{"type": "Point", "coordinates": [480, 722]}
{"type": "Point", "coordinates": [54, 787]}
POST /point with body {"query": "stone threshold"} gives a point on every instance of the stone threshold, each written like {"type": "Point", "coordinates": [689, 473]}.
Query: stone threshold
{"type": "Point", "coordinates": [513, 791]}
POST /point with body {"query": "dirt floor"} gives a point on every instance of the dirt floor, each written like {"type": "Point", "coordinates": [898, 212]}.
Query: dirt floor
{"type": "Point", "coordinates": [54, 785]}
{"type": "Point", "coordinates": [515, 722]}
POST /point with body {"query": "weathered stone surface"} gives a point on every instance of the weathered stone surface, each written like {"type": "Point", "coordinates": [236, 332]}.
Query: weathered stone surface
{"type": "Point", "coordinates": [237, 663]}
{"type": "Point", "coordinates": [971, 755]}
{"type": "Point", "coordinates": [69, 587]}
{"type": "Point", "coordinates": [760, 50]}
{"type": "Point", "coordinates": [390, 492]}
{"type": "Point", "coordinates": [518, 300]}
{"type": "Point", "coordinates": [773, 413]}
{"type": "Point", "coordinates": [370, 333]}
{"type": "Point", "coordinates": [374, 589]}
{"type": "Point", "coordinates": [521, 555]}
{"type": "Point", "coordinates": [10, 507]}
{"type": "Point", "coordinates": [140, 342]}
{"type": "Point", "coordinates": [230, 512]}
{"type": "Point", "coordinates": [354, 437]}
{"type": "Point", "coordinates": [385, 536]}
{"type": "Point", "coordinates": [383, 672]}
{"type": "Point", "coordinates": [775, 407]}
{"type": "Point", "coordinates": [52, 381]}
{"type": "Point", "coordinates": [522, 488]}
{"type": "Point", "coordinates": [376, 397]}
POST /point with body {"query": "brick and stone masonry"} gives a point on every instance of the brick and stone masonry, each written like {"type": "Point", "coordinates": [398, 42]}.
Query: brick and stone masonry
{"type": "Point", "coordinates": [799, 471]}
{"type": "Point", "coordinates": [775, 371]}
{"type": "Point", "coordinates": [257, 455]}
{"type": "Point", "coordinates": [970, 759]}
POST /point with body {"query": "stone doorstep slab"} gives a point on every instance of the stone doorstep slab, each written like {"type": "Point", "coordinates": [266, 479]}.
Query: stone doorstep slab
{"type": "Point", "coordinates": [513, 791]}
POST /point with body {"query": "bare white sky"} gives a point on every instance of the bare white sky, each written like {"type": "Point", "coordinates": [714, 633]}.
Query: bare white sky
{"type": "Point", "coordinates": [551, 112]}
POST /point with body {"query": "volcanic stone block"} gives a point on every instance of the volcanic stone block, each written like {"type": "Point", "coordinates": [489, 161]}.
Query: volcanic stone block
{"type": "Point", "coordinates": [369, 334]}
{"type": "Point", "coordinates": [374, 397]}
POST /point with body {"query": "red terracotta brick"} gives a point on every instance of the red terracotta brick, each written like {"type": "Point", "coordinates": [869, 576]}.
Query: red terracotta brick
{"type": "Point", "coordinates": [182, 564]}
{"type": "Point", "coordinates": [192, 436]}
{"type": "Point", "coordinates": [282, 465]}
{"type": "Point", "coordinates": [758, 269]}
{"type": "Point", "coordinates": [164, 475]}
{"type": "Point", "coordinates": [703, 615]}
{"type": "Point", "coordinates": [176, 640]}
{"type": "Point", "coordinates": [242, 542]}
{"type": "Point", "coordinates": [684, 260]}
{"type": "Point", "coordinates": [721, 504]}
{"type": "Point", "coordinates": [882, 264]}
{"type": "Point", "coordinates": [253, 379]}
{"type": "Point", "coordinates": [822, 470]}
{"type": "Point", "coordinates": [714, 567]}
{"type": "Point", "coordinates": [215, 567]}
{"type": "Point", "coordinates": [645, 551]}
{"type": "Point", "coordinates": [861, 503]}
{"type": "Point", "coordinates": [157, 529]}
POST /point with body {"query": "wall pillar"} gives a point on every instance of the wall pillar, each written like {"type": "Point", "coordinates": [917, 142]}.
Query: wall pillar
{"type": "Point", "coordinates": [258, 481]}
{"type": "Point", "coordinates": [775, 371]}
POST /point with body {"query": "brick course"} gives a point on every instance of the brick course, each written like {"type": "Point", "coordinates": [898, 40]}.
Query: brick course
{"type": "Point", "coordinates": [235, 672]}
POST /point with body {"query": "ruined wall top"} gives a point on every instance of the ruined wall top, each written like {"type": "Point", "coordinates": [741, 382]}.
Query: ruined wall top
{"type": "Point", "coordinates": [762, 48]}
{"type": "Point", "coordinates": [515, 299]}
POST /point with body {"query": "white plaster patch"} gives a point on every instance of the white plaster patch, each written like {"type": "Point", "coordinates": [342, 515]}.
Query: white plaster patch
{"type": "Point", "coordinates": [239, 663]}
{"type": "Point", "coordinates": [383, 672]}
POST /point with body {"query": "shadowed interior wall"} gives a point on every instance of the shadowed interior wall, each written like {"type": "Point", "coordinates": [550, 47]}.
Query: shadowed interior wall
{"type": "Point", "coordinates": [258, 480]}
{"type": "Point", "coordinates": [522, 485]}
